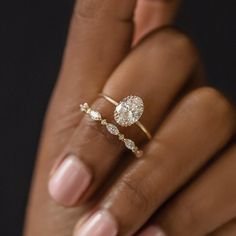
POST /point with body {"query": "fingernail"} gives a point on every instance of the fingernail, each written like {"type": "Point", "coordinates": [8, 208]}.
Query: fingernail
{"type": "Point", "coordinates": [152, 231]}
{"type": "Point", "coordinates": [69, 181]}
{"type": "Point", "coordinates": [101, 223]}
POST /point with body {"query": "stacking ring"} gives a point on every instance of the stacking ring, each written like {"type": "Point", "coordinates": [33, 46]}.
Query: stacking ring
{"type": "Point", "coordinates": [111, 128]}
{"type": "Point", "coordinates": [128, 112]}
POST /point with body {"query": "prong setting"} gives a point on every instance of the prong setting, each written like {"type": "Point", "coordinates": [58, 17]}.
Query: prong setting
{"type": "Point", "coordinates": [111, 128]}
{"type": "Point", "coordinates": [128, 111]}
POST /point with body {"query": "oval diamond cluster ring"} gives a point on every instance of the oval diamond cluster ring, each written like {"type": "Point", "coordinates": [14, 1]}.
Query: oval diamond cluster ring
{"type": "Point", "coordinates": [111, 128]}
{"type": "Point", "coordinates": [128, 111]}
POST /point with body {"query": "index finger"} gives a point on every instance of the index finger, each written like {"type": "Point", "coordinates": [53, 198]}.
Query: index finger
{"type": "Point", "coordinates": [99, 38]}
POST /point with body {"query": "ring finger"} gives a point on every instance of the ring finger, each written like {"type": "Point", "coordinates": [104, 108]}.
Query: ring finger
{"type": "Point", "coordinates": [146, 72]}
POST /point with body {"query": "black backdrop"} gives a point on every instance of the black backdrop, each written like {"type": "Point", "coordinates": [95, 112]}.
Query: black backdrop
{"type": "Point", "coordinates": [32, 38]}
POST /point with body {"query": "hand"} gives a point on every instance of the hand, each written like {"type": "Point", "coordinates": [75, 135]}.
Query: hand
{"type": "Point", "coordinates": [182, 116]}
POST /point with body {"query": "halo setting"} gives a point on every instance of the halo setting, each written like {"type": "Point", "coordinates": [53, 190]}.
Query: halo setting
{"type": "Point", "coordinates": [128, 111]}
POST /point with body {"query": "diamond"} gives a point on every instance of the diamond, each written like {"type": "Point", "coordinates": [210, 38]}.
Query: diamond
{"type": "Point", "coordinates": [121, 137]}
{"type": "Point", "coordinates": [129, 111]}
{"type": "Point", "coordinates": [84, 107]}
{"type": "Point", "coordinates": [112, 129]}
{"type": "Point", "coordinates": [95, 115]}
{"type": "Point", "coordinates": [104, 122]}
{"type": "Point", "coordinates": [129, 144]}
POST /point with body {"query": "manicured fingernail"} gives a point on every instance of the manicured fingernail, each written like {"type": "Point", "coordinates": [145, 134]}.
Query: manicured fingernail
{"type": "Point", "coordinates": [101, 223]}
{"type": "Point", "coordinates": [69, 181]}
{"type": "Point", "coordinates": [152, 231]}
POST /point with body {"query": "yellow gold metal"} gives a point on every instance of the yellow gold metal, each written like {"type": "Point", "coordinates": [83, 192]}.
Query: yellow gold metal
{"type": "Point", "coordinates": [138, 123]}
{"type": "Point", "coordinates": [111, 128]}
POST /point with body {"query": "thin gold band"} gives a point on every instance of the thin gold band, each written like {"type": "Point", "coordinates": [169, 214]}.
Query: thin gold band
{"type": "Point", "coordinates": [111, 128]}
{"type": "Point", "coordinates": [138, 123]}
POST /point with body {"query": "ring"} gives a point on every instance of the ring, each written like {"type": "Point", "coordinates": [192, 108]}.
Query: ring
{"type": "Point", "coordinates": [111, 128]}
{"type": "Point", "coordinates": [128, 111]}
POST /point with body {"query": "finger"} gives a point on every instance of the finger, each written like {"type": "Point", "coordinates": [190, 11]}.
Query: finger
{"type": "Point", "coordinates": [151, 14]}
{"type": "Point", "coordinates": [138, 75]}
{"type": "Point", "coordinates": [228, 229]}
{"type": "Point", "coordinates": [179, 149]}
{"type": "Point", "coordinates": [206, 203]}
{"type": "Point", "coordinates": [99, 38]}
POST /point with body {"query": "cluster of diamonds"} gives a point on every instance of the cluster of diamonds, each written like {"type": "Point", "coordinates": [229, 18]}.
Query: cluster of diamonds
{"type": "Point", "coordinates": [111, 128]}
{"type": "Point", "coordinates": [129, 111]}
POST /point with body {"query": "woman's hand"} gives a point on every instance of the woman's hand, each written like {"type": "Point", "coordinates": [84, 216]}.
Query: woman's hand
{"type": "Point", "coordinates": [186, 176]}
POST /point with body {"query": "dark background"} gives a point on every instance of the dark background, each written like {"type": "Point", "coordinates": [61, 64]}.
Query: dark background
{"type": "Point", "coordinates": [32, 38]}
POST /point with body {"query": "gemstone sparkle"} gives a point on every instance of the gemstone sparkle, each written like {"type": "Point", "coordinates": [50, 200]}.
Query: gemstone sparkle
{"type": "Point", "coordinates": [129, 144]}
{"type": "Point", "coordinates": [112, 129]}
{"type": "Point", "coordinates": [95, 115]}
{"type": "Point", "coordinates": [129, 111]}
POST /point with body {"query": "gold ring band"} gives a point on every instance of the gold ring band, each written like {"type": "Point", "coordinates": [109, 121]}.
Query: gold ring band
{"type": "Point", "coordinates": [111, 128]}
{"type": "Point", "coordinates": [138, 123]}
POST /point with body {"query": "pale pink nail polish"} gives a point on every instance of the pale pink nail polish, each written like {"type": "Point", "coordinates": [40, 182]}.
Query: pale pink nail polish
{"type": "Point", "coordinates": [69, 181]}
{"type": "Point", "coordinates": [100, 224]}
{"type": "Point", "coordinates": [152, 231]}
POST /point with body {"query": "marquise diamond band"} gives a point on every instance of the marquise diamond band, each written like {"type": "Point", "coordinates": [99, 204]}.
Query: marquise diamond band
{"type": "Point", "coordinates": [128, 111]}
{"type": "Point", "coordinates": [111, 128]}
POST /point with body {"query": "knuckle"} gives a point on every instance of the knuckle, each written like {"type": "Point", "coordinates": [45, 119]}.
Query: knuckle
{"type": "Point", "coordinates": [175, 44]}
{"type": "Point", "coordinates": [187, 210]}
{"type": "Point", "coordinates": [137, 197]}
{"type": "Point", "coordinates": [212, 103]}
{"type": "Point", "coordinates": [203, 95]}
{"type": "Point", "coordinates": [215, 101]}
{"type": "Point", "coordinates": [210, 93]}
{"type": "Point", "coordinates": [175, 39]}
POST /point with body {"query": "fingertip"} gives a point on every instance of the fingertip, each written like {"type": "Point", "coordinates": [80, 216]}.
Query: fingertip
{"type": "Point", "coordinates": [152, 231]}
{"type": "Point", "coordinates": [101, 223]}
{"type": "Point", "coordinates": [69, 181]}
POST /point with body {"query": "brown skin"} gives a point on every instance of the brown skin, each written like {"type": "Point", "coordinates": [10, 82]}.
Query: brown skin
{"type": "Point", "coordinates": [193, 125]}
